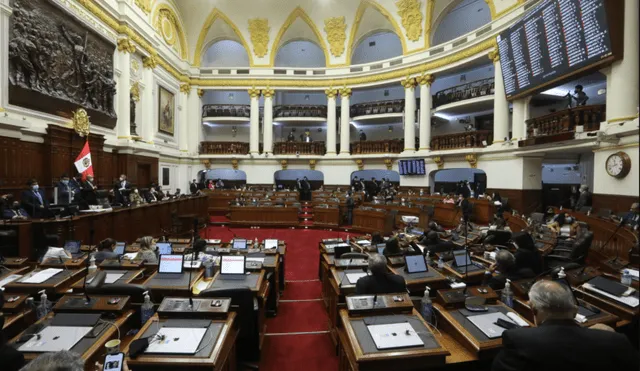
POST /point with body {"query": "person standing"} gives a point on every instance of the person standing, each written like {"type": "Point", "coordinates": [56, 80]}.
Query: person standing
{"type": "Point", "coordinates": [66, 193]}
{"type": "Point", "coordinates": [34, 200]}
{"type": "Point", "coordinates": [350, 206]}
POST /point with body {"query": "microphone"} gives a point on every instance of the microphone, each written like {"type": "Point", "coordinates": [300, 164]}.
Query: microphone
{"type": "Point", "coordinates": [65, 266]}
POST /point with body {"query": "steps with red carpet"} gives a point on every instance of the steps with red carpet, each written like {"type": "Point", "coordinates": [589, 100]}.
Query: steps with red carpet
{"type": "Point", "coordinates": [309, 352]}
{"type": "Point", "coordinates": [302, 290]}
{"type": "Point", "coordinates": [299, 316]}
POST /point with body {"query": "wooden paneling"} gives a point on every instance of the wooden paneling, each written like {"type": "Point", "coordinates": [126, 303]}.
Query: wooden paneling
{"type": "Point", "coordinates": [19, 162]}
{"type": "Point", "coordinates": [140, 170]}
{"type": "Point", "coordinates": [616, 203]}
{"type": "Point", "coordinates": [525, 201]}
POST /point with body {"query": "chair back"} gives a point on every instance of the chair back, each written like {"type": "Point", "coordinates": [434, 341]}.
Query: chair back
{"type": "Point", "coordinates": [136, 292]}
{"type": "Point", "coordinates": [581, 248]}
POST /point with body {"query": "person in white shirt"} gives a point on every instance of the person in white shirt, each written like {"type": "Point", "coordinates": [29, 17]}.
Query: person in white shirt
{"type": "Point", "coordinates": [56, 253]}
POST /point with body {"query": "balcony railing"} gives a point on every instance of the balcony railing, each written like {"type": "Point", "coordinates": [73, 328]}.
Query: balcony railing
{"type": "Point", "coordinates": [377, 108]}
{"type": "Point", "coordinates": [458, 93]}
{"type": "Point", "coordinates": [565, 121]}
{"type": "Point", "coordinates": [467, 139]}
{"type": "Point", "coordinates": [299, 111]}
{"type": "Point", "coordinates": [302, 148]}
{"type": "Point", "coordinates": [226, 110]}
{"type": "Point", "coordinates": [377, 146]}
{"type": "Point", "coordinates": [224, 148]}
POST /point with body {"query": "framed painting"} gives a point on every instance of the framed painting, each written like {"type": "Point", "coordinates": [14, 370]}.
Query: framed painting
{"type": "Point", "coordinates": [166, 111]}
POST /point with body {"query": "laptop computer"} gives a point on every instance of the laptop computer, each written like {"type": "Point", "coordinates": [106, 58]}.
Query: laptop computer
{"type": "Point", "coordinates": [72, 247]}
{"type": "Point", "coordinates": [170, 266]}
{"type": "Point", "coordinates": [270, 244]}
{"type": "Point", "coordinates": [415, 264]}
{"type": "Point", "coordinates": [120, 248]}
{"type": "Point", "coordinates": [239, 244]}
{"type": "Point", "coordinates": [380, 247]}
{"type": "Point", "coordinates": [340, 249]}
{"type": "Point", "coordinates": [164, 248]}
{"type": "Point", "coordinates": [462, 260]}
{"type": "Point", "coordinates": [233, 267]}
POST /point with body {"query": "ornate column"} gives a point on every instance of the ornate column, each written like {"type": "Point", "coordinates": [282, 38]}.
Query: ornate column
{"type": "Point", "coordinates": [267, 121]}
{"type": "Point", "coordinates": [622, 80]}
{"type": "Point", "coordinates": [123, 55]}
{"type": "Point", "coordinates": [147, 131]}
{"type": "Point", "coordinates": [409, 85]}
{"type": "Point", "coordinates": [194, 113]}
{"type": "Point", "coordinates": [5, 14]}
{"type": "Point", "coordinates": [183, 122]}
{"type": "Point", "coordinates": [425, 82]}
{"type": "Point", "coordinates": [500, 103]}
{"type": "Point", "coordinates": [345, 121]}
{"type": "Point", "coordinates": [331, 120]}
{"type": "Point", "coordinates": [520, 116]}
{"type": "Point", "coordinates": [254, 128]}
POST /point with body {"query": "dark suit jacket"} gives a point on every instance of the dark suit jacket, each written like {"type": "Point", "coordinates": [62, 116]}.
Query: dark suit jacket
{"type": "Point", "coordinates": [498, 281]}
{"type": "Point", "coordinates": [9, 213]}
{"type": "Point", "coordinates": [30, 202]}
{"type": "Point", "coordinates": [388, 283]}
{"type": "Point", "coordinates": [63, 193]}
{"type": "Point", "coordinates": [562, 345]}
{"type": "Point", "coordinates": [583, 200]}
{"type": "Point", "coordinates": [193, 188]}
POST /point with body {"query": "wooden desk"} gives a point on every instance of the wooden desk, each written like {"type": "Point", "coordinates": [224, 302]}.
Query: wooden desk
{"type": "Point", "coordinates": [451, 298]}
{"type": "Point", "coordinates": [326, 217]}
{"type": "Point", "coordinates": [354, 357]}
{"type": "Point", "coordinates": [623, 311]}
{"type": "Point", "coordinates": [74, 263]}
{"type": "Point", "coordinates": [129, 277]}
{"type": "Point", "coordinates": [371, 221]}
{"type": "Point", "coordinates": [99, 303]}
{"type": "Point", "coordinates": [91, 353]}
{"type": "Point", "coordinates": [468, 277]}
{"type": "Point", "coordinates": [268, 215]}
{"type": "Point", "coordinates": [202, 308]}
{"type": "Point", "coordinates": [23, 237]}
{"type": "Point", "coordinates": [385, 303]}
{"type": "Point", "coordinates": [416, 282]}
{"type": "Point", "coordinates": [57, 284]}
{"type": "Point", "coordinates": [15, 262]}
{"type": "Point", "coordinates": [159, 289]}
{"type": "Point", "coordinates": [125, 264]}
{"type": "Point", "coordinates": [523, 308]}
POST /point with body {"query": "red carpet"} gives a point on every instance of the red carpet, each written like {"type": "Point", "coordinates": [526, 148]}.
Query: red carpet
{"type": "Point", "coordinates": [283, 350]}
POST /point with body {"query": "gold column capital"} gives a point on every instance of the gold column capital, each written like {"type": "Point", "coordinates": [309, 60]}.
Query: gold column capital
{"type": "Point", "coordinates": [408, 83]}
{"type": "Point", "coordinates": [439, 161]}
{"type": "Point", "coordinates": [331, 92]}
{"type": "Point", "coordinates": [185, 88]}
{"type": "Point", "coordinates": [126, 46]}
{"type": "Point", "coordinates": [472, 159]}
{"type": "Point", "coordinates": [360, 164]}
{"type": "Point", "coordinates": [200, 92]}
{"type": "Point", "coordinates": [345, 92]}
{"type": "Point", "coordinates": [425, 79]}
{"type": "Point", "coordinates": [150, 62]}
{"type": "Point", "coordinates": [494, 55]}
{"type": "Point", "coordinates": [254, 93]}
{"type": "Point", "coordinates": [312, 164]}
{"type": "Point", "coordinates": [268, 92]}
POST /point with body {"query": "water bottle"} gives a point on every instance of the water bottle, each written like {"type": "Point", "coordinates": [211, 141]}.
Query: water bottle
{"type": "Point", "coordinates": [507, 294]}
{"type": "Point", "coordinates": [427, 259]}
{"type": "Point", "coordinates": [92, 266]}
{"type": "Point", "coordinates": [30, 304]}
{"type": "Point", "coordinates": [426, 306]}
{"type": "Point", "coordinates": [255, 243]}
{"type": "Point", "coordinates": [146, 311]}
{"type": "Point", "coordinates": [44, 307]}
{"type": "Point", "coordinates": [441, 263]}
{"type": "Point", "coordinates": [626, 278]}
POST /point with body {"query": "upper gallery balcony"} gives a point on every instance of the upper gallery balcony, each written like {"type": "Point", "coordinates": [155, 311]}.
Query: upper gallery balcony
{"type": "Point", "coordinates": [562, 125]}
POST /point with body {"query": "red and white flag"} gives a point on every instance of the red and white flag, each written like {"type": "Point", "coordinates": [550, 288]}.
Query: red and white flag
{"type": "Point", "coordinates": [83, 162]}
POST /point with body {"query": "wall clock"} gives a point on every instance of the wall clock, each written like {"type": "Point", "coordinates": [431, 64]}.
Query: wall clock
{"type": "Point", "coordinates": [618, 165]}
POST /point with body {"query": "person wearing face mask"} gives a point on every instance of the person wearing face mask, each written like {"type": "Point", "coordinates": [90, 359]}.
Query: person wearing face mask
{"type": "Point", "coordinates": [89, 191]}
{"type": "Point", "coordinates": [34, 200]}
{"type": "Point", "coordinates": [66, 193]}
{"type": "Point", "coordinates": [122, 189]}
{"type": "Point", "coordinates": [135, 198]}
{"type": "Point", "coordinates": [151, 195]}
{"type": "Point", "coordinates": [15, 212]}
{"type": "Point", "coordinates": [147, 250]}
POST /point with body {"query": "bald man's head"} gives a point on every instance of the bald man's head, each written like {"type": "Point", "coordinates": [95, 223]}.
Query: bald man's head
{"type": "Point", "coordinates": [552, 300]}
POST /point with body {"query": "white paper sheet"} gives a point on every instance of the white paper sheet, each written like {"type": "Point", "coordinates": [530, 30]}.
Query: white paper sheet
{"type": "Point", "coordinates": [177, 340]}
{"type": "Point", "coordinates": [364, 242]}
{"type": "Point", "coordinates": [631, 301]}
{"type": "Point", "coordinates": [8, 279]}
{"type": "Point", "coordinates": [113, 277]}
{"type": "Point", "coordinates": [42, 276]}
{"type": "Point", "coordinates": [260, 260]}
{"type": "Point", "coordinates": [354, 277]}
{"type": "Point", "coordinates": [395, 335]}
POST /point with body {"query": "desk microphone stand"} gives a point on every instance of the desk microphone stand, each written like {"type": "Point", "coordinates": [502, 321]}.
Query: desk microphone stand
{"type": "Point", "coordinates": [465, 219]}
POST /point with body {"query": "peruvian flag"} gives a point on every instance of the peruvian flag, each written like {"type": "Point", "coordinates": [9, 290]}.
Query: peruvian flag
{"type": "Point", "coordinates": [83, 161]}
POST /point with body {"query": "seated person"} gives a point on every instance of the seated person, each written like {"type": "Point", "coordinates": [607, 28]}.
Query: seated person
{"type": "Point", "coordinates": [558, 221]}
{"type": "Point", "coordinates": [147, 251]}
{"type": "Point", "coordinates": [12, 360]}
{"type": "Point", "coordinates": [34, 200]}
{"type": "Point", "coordinates": [151, 195]}
{"type": "Point", "coordinates": [376, 238]}
{"type": "Point", "coordinates": [392, 247]}
{"type": "Point", "coordinates": [15, 212]}
{"type": "Point", "coordinates": [506, 266]}
{"type": "Point", "coordinates": [381, 281]}
{"type": "Point", "coordinates": [527, 255]}
{"type": "Point", "coordinates": [632, 218]}
{"type": "Point", "coordinates": [558, 343]}
{"type": "Point", "coordinates": [135, 198]}
{"type": "Point", "coordinates": [105, 250]}
{"type": "Point", "coordinates": [448, 200]}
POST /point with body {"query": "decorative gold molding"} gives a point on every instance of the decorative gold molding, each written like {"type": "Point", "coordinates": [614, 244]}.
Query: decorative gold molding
{"type": "Point", "coordinates": [364, 4]}
{"type": "Point", "coordinates": [439, 160]}
{"type": "Point", "coordinates": [411, 16]}
{"type": "Point", "coordinates": [135, 91]}
{"type": "Point", "coordinates": [1, 109]}
{"type": "Point", "coordinates": [360, 163]}
{"type": "Point", "coordinates": [80, 122]}
{"type": "Point", "coordinates": [150, 62]}
{"type": "Point", "coordinates": [268, 92]}
{"type": "Point", "coordinates": [472, 159]}
{"type": "Point", "coordinates": [494, 55]}
{"type": "Point", "coordinates": [234, 164]}
{"type": "Point", "coordinates": [126, 46]}
{"type": "Point", "coordinates": [331, 92]}
{"type": "Point", "coordinates": [185, 88]}
{"type": "Point", "coordinates": [259, 31]}
{"type": "Point", "coordinates": [211, 19]}
{"type": "Point", "coordinates": [144, 5]}
{"type": "Point", "coordinates": [200, 92]}
{"type": "Point", "coordinates": [284, 164]}
{"type": "Point", "coordinates": [312, 164]}
{"type": "Point", "coordinates": [335, 27]}
{"type": "Point", "coordinates": [388, 163]}
{"type": "Point", "coordinates": [298, 12]}
{"type": "Point", "coordinates": [345, 92]}
{"type": "Point", "coordinates": [425, 79]}
{"type": "Point", "coordinates": [162, 12]}
{"type": "Point", "coordinates": [428, 20]}
{"type": "Point", "coordinates": [254, 93]}
{"type": "Point", "coordinates": [408, 82]}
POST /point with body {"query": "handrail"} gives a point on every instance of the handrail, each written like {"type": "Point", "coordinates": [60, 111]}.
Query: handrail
{"type": "Point", "coordinates": [224, 148]}
{"type": "Point", "coordinates": [467, 139]}
{"type": "Point", "coordinates": [302, 148]}
{"type": "Point", "coordinates": [226, 110]}
{"type": "Point", "coordinates": [300, 110]}
{"type": "Point", "coordinates": [376, 108]}
{"type": "Point", "coordinates": [566, 120]}
{"type": "Point", "coordinates": [377, 146]}
{"type": "Point", "coordinates": [466, 91]}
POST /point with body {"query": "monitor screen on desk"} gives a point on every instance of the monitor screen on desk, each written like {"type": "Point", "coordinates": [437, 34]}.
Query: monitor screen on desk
{"type": "Point", "coordinates": [164, 248]}
{"type": "Point", "coordinates": [170, 264]}
{"type": "Point", "coordinates": [461, 257]}
{"type": "Point", "coordinates": [415, 263]}
{"type": "Point", "coordinates": [73, 247]}
{"type": "Point", "coordinates": [270, 244]}
{"type": "Point", "coordinates": [381, 247]}
{"type": "Point", "coordinates": [120, 247]}
{"type": "Point", "coordinates": [232, 264]}
{"type": "Point", "coordinates": [239, 244]}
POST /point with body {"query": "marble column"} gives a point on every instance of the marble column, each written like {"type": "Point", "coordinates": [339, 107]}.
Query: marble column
{"type": "Point", "coordinates": [520, 116]}
{"type": "Point", "coordinates": [183, 122]}
{"type": "Point", "coordinates": [500, 103]}
{"type": "Point", "coordinates": [254, 123]}
{"type": "Point", "coordinates": [123, 56]}
{"type": "Point", "coordinates": [622, 79]}
{"type": "Point", "coordinates": [409, 85]}
{"type": "Point", "coordinates": [148, 122]}
{"type": "Point", "coordinates": [345, 121]}
{"type": "Point", "coordinates": [5, 14]}
{"type": "Point", "coordinates": [331, 120]}
{"type": "Point", "coordinates": [194, 114]}
{"type": "Point", "coordinates": [267, 130]}
{"type": "Point", "coordinates": [425, 82]}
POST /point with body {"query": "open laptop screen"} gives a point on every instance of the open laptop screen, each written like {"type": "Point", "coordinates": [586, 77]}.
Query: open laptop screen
{"type": "Point", "coordinates": [240, 244]}
{"type": "Point", "coordinates": [171, 264]}
{"type": "Point", "coordinates": [73, 247]}
{"type": "Point", "coordinates": [270, 244]}
{"type": "Point", "coordinates": [164, 248]}
{"type": "Point", "coordinates": [415, 263]}
{"type": "Point", "coordinates": [120, 248]}
{"type": "Point", "coordinates": [461, 257]}
{"type": "Point", "coordinates": [232, 264]}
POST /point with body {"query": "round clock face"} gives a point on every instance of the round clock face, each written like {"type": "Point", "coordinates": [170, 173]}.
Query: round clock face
{"type": "Point", "coordinates": [617, 165]}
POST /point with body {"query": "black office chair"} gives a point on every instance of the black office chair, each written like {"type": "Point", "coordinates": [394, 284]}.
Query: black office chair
{"type": "Point", "coordinates": [135, 292]}
{"type": "Point", "coordinates": [354, 255]}
{"type": "Point", "coordinates": [572, 257]}
{"type": "Point", "coordinates": [604, 213]}
{"type": "Point", "coordinates": [340, 250]}
{"type": "Point", "coordinates": [248, 345]}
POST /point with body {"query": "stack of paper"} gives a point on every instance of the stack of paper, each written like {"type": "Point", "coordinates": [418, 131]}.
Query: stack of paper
{"type": "Point", "coordinates": [41, 276]}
